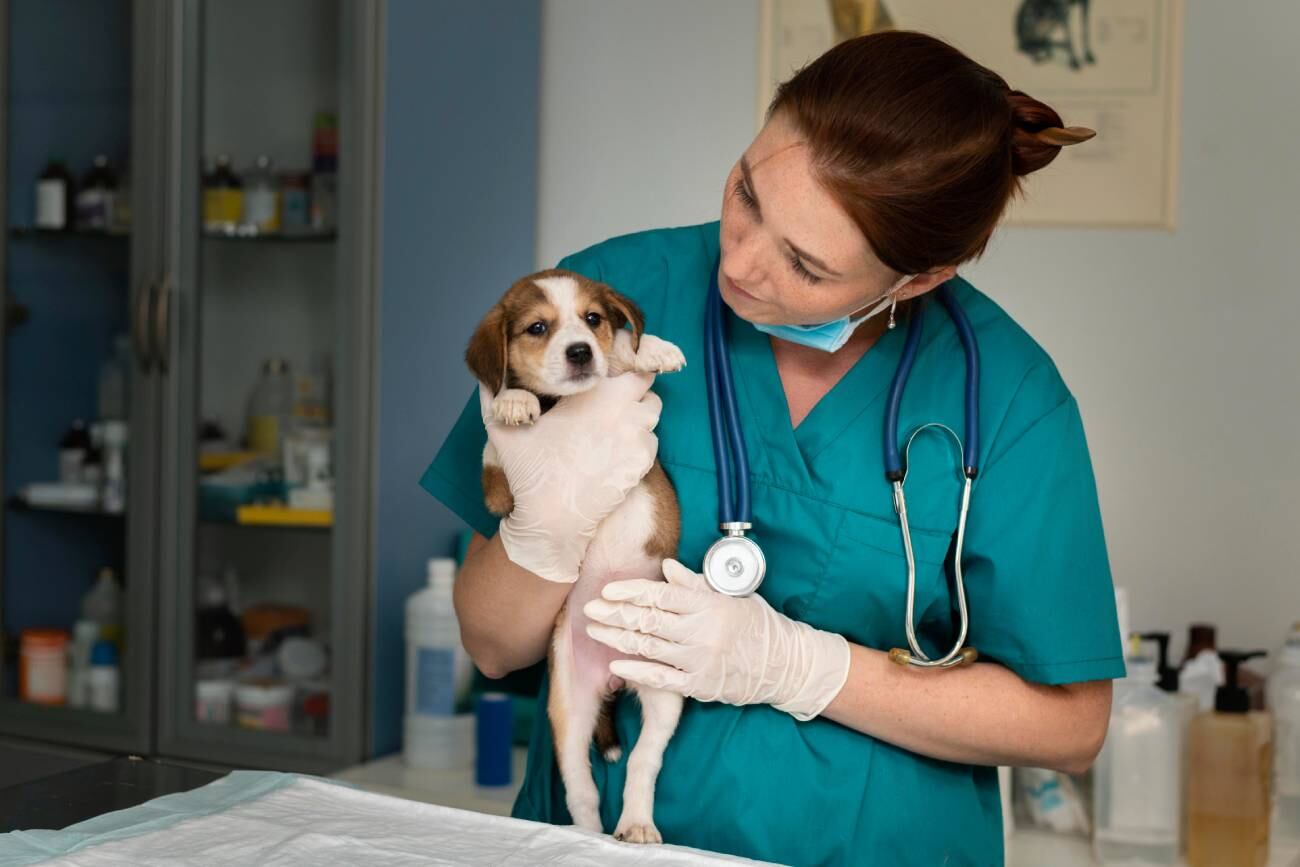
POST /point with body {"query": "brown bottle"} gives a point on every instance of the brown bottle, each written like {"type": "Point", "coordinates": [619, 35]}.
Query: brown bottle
{"type": "Point", "coordinates": [1229, 778]}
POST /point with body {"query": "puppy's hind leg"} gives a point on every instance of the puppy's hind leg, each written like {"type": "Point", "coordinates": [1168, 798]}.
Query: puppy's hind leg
{"type": "Point", "coordinates": [660, 711]}
{"type": "Point", "coordinates": [573, 708]}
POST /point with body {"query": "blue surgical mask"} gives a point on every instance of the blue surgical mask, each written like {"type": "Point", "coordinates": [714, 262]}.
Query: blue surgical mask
{"type": "Point", "coordinates": [830, 336]}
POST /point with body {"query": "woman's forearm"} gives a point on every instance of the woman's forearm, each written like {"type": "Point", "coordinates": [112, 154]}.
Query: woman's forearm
{"type": "Point", "coordinates": [983, 714]}
{"type": "Point", "coordinates": [506, 613]}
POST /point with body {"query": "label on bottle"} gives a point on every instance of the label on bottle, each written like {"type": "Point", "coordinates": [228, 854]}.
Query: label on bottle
{"type": "Point", "coordinates": [435, 681]}
{"type": "Point", "coordinates": [51, 205]}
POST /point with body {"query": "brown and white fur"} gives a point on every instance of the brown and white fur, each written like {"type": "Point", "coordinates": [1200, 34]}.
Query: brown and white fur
{"type": "Point", "coordinates": [553, 334]}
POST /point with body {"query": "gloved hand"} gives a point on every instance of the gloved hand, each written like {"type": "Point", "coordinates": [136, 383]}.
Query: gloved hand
{"type": "Point", "coordinates": [571, 468]}
{"type": "Point", "coordinates": [713, 647]}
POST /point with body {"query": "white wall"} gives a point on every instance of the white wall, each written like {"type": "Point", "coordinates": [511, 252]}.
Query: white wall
{"type": "Point", "coordinates": [1180, 346]}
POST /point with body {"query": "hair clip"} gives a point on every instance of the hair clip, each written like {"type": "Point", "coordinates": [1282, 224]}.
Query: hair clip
{"type": "Point", "coordinates": [1064, 136]}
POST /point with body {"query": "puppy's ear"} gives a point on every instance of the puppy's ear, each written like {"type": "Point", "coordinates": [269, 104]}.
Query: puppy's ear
{"type": "Point", "coordinates": [623, 310]}
{"type": "Point", "coordinates": [486, 354]}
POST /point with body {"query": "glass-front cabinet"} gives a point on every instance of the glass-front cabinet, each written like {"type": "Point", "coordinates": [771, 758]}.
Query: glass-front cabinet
{"type": "Point", "coordinates": [80, 252]}
{"type": "Point", "coordinates": [186, 377]}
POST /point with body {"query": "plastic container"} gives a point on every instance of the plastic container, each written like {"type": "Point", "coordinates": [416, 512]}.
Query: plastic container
{"type": "Point", "coordinates": [493, 747]}
{"type": "Point", "coordinates": [95, 196]}
{"type": "Point", "coordinates": [264, 705]}
{"type": "Point", "coordinates": [105, 678]}
{"type": "Point", "coordinates": [223, 198]}
{"type": "Point", "coordinates": [1284, 700]}
{"type": "Point", "coordinates": [300, 658]}
{"type": "Point", "coordinates": [103, 604]}
{"type": "Point", "coordinates": [84, 635]}
{"type": "Point", "coordinates": [261, 213]}
{"type": "Point", "coordinates": [73, 448]}
{"type": "Point", "coordinates": [1229, 777]}
{"type": "Point", "coordinates": [42, 666]}
{"type": "Point", "coordinates": [54, 197]}
{"type": "Point", "coordinates": [1138, 777]}
{"type": "Point", "coordinates": [270, 408]}
{"type": "Point", "coordinates": [438, 731]}
{"type": "Point", "coordinates": [212, 700]}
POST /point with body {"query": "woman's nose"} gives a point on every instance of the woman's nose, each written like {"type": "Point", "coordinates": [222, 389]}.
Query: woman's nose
{"type": "Point", "coordinates": [742, 264]}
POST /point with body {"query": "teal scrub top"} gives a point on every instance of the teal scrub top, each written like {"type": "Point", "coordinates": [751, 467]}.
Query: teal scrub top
{"type": "Point", "coordinates": [753, 781]}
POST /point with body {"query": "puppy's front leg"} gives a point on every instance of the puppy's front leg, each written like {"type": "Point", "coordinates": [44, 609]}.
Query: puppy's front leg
{"type": "Point", "coordinates": [516, 406]}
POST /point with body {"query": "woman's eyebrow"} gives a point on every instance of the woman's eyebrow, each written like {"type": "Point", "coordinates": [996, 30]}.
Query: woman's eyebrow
{"type": "Point", "coordinates": [753, 194]}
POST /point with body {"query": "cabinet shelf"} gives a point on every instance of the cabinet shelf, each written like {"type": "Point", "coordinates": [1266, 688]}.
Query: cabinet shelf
{"type": "Point", "coordinates": [33, 232]}
{"type": "Point", "coordinates": [272, 237]}
{"type": "Point", "coordinates": [19, 504]}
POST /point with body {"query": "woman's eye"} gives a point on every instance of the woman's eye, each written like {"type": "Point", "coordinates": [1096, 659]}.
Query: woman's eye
{"type": "Point", "coordinates": [593, 319]}
{"type": "Point", "coordinates": [797, 264]}
{"type": "Point", "coordinates": [537, 328]}
{"type": "Point", "coordinates": [743, 194]}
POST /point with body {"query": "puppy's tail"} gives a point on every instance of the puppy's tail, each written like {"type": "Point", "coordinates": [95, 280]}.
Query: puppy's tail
{"type": "Point", "coordinates": [606, 736]}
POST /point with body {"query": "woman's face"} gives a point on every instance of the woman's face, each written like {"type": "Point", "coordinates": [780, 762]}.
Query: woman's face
{"type": "Point", "coordinates": [790, 254]}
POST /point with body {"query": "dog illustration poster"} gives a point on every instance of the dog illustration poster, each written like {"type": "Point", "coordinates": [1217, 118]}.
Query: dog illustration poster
{"type": "Point", "coordinates": [1112, 65]}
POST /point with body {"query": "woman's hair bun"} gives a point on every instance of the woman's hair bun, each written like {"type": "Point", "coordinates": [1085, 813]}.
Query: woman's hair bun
{"type": "Point", "coordinates": [1037, 134]}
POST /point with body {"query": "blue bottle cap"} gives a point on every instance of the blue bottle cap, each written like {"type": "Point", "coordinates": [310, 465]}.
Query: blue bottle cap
{"type": "Point", "coordinates": [103, 653]}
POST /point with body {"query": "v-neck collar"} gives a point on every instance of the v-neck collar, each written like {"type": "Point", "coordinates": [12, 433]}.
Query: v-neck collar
{"type": "Point", "coordinates": [858, 390]}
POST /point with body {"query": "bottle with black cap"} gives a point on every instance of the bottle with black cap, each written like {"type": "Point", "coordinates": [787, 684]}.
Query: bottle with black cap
{"type": "Point", "coordinates": [1188, 706]}
{"type": "Point", "coordinates": [1230, 776]}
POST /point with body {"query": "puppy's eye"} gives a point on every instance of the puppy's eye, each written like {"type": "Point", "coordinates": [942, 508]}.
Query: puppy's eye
{"type": "Point", "coordinates": [593, 319]}
{"type": "Point", "coordinates": [537, 328]}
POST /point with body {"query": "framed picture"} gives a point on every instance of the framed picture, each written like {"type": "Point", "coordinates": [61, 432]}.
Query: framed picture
{"type": "Point", "coordinates": [1111, 65]}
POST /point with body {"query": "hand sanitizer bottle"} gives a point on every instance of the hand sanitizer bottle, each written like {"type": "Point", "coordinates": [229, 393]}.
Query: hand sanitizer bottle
{"type": "Point", "coordinates": [1138, 778]}
{"type": "Point", "coordinates": [1229, 777]}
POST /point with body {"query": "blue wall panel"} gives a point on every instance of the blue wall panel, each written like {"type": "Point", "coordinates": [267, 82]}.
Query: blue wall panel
{"type": "Point", "coordinates": [459, 213]}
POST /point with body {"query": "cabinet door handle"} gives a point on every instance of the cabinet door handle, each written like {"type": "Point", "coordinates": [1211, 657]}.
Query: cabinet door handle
{"type": "Point", "coordinates": [162, 323]}
{"type": "Point", "coordinates": [140, 325]}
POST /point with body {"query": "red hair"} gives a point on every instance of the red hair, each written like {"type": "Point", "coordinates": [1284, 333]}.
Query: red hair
{"type": "Point", "coordinates": [922, 146]}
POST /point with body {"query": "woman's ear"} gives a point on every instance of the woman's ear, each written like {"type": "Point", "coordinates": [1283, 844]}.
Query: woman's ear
{"type": "Point", "coordinates": [622, 310]}
{"type": "Point", "coordinates": [486, 353]}
{"type": "Point", "coordinates": [926, 282]}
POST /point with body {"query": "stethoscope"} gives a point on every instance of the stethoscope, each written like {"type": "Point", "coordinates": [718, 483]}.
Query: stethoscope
{"type": "Point", "coordinates": [735, 564]}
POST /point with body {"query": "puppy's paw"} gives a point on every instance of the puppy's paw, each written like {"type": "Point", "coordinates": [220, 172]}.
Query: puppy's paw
{"type": "Point", "coordinates": [613, 754]}
{"type": "Point", "coordinates": [637, 832]}
{"type": "Point", "coordinates": [515, 406]}
{"type": "Point", "coordinates": [656, 355]}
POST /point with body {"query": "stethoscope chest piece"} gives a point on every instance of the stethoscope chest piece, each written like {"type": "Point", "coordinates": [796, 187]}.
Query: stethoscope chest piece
{"type": "Point", "coordinates": [734, 564]}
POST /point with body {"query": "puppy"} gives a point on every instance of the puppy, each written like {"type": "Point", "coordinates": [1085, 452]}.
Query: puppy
{"type": "Point", "coordinates": [551, 335]}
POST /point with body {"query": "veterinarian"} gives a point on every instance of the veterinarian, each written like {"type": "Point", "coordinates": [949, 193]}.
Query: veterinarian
{"type": "Point", "coordinates": [884, 166]}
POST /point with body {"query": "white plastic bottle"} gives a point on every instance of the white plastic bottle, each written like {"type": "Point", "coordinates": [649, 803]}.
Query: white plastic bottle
{"type": "Point", "coordinates": [103, 604]}
{"type": "Point", "coordinates": [1284, 701]}
{"type": "Point", "coordinates": [1138, 778]}
{"type": "Point", "coordinates": [438, 730]}
{"type": "Point", "coordinates": [104, 678]}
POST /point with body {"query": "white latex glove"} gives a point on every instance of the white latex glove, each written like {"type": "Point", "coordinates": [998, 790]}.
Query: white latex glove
{"type": "Point", "coordinates": [713, 647]}
{"type": "Point", "coordinates": [572, 467]}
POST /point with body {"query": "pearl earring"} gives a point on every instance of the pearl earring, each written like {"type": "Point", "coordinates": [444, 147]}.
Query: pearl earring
{"type": "Point", "coordinates": [892, 307]}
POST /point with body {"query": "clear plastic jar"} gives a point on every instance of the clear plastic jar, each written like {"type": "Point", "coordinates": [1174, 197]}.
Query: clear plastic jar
{"type": "Point", "coordinates": [270, 408]}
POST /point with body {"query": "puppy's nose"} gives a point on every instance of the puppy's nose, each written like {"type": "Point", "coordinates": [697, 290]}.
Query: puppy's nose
{"type": "Point", "coordinates": [578, 353]}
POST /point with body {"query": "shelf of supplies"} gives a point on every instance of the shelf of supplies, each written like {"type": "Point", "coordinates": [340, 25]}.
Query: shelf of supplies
{"type": "Point", "coordinates": [25, 232]}
{"type": "Point", "coordinates": [19, 504]}
{"type": "Point", "coordinates": [282, 516]}
{"type": "Point", "coordinates": [272, 237]}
